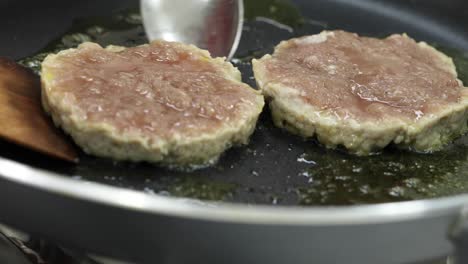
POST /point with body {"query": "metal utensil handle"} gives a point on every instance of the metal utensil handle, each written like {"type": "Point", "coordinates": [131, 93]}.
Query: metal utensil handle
{"type": "Point", "coordinates": [459, 237]}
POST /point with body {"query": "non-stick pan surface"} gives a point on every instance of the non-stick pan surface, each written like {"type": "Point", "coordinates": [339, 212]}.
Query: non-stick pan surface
{"type": "Point", "coordinates": [276, 168]}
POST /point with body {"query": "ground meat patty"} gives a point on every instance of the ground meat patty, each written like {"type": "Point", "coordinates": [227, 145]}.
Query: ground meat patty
{"type": "Point", "coordinates": [364, 93]}
{"type": "Point", "coordinates": [163, 102]}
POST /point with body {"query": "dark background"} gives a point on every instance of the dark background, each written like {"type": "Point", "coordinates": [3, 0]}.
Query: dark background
{"type": "Point", "coordinates": [28, 25]}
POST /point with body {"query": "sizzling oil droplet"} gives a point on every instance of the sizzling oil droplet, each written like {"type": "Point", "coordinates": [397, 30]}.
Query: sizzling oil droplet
{"type": "Point", "coordinates": [254, 173]}
{"type": "Point", "coordinates": [305, 159]}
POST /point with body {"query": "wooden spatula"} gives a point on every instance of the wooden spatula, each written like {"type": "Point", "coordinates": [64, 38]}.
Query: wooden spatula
{"type": "Point", "coordinates": [22, 120]}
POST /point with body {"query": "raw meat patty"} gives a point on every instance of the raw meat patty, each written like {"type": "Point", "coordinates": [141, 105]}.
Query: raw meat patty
{"type": "Point", "coordinates": [162, 102]}
{"type": "Point", "coordinates": [364, 93]}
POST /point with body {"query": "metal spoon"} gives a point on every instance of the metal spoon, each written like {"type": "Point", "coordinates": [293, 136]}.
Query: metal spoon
{"type": "Point", "coordinates": [215, 25]}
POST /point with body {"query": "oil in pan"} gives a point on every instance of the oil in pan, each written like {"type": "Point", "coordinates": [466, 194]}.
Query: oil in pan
{"type": "Point", "coordinates": [276, 167]}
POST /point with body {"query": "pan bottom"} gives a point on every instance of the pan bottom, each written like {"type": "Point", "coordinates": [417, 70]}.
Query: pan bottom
{"type": "Point", "coordinates": [276, 168]}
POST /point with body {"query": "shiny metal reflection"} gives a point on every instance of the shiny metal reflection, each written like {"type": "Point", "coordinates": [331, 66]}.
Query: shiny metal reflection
{"type": "Point", "coordinates": [215, 25]}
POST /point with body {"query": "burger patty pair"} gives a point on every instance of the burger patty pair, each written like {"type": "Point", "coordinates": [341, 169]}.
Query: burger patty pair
{"type": "Point", "coordinates": [172, 103]}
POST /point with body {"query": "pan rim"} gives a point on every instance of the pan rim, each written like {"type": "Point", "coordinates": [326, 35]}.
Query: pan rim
{"type": "Point", "coordinates": [122, 198]}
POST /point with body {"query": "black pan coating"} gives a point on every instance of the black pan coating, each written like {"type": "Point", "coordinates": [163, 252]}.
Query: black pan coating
{"type": "Point", "coordinates": [276, 167]}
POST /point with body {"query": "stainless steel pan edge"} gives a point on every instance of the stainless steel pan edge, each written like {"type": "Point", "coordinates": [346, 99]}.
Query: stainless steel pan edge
{"type": "Point", "coordinates": [402, 232]}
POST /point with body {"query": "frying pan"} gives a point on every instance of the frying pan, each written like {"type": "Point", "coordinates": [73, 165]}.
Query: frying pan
{"type": "Point", "coordinates": [128, 211]}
